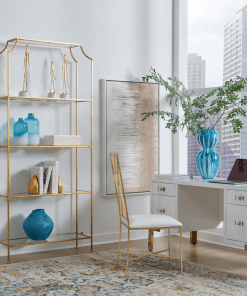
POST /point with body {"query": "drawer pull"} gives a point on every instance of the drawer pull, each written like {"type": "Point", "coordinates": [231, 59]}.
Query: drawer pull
{"type": "Point", "coordinates": [162, 189]}
{"type": "Point", "coordinates": [242, 198]}
{"type": "Point", "coordinates": [239, 198]}
{"type": "Point", "coordinates": [239, 223]}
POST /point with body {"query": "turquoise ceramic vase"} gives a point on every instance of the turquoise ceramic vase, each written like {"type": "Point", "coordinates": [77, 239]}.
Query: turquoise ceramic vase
{"type": "Point", "coordinates": [38, 225]}
{"type": "Point", "coordinates": [21, 132]}
{"type": "Point", "coordinates": [33, 130]}
{"type": "Point", "coordinates": [208, 160]}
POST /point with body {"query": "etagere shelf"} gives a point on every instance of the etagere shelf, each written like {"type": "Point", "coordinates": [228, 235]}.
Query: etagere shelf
{"type": "Point", "coordinates": [40, 146]}
{"type": "Point", "coordinates": [44, 99]}
{"type": "Point", "coordinates": [54, 238]}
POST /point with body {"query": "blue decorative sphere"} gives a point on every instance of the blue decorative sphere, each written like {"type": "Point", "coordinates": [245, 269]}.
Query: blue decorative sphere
{"type": "Point", "coordinates": [38, 225]}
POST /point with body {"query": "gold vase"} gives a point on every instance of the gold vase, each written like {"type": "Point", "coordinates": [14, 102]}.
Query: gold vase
{"type": "Point", "coordinates": [33, 186]}
{"type": "Point", "coordinates": [60, 185]}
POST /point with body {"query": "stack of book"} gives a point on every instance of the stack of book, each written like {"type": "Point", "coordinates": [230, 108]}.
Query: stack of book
{"type": "Point", "coordinates": [47, 175]}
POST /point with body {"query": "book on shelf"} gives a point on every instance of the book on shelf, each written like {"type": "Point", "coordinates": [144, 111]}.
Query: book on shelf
{"type": "Point", "coordinates": [46, 177]}
{"type": "Point", "coordinates": [38, 171]}
{"type": "Point", "coordinates": [174, 176]}
{"type": "Point", "coordinates": [53, 185]}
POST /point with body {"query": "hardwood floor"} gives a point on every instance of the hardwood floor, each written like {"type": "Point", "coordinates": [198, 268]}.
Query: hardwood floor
{"type": "Point", "coordinates": [224, 258]}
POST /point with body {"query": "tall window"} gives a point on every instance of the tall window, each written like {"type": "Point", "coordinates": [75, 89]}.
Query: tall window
{"type": "Point", "coordinates": [217, 43]}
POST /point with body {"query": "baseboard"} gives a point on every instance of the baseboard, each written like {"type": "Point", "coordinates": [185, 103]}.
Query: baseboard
{"type": "Point", "coordinates": [108, 238]}
{"type": "Point", "coordinates": [213, 238]}
{"type": "Point", "coordinates": [98, 239]}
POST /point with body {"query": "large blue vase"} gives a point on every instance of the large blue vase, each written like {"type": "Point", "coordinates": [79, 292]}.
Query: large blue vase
{"type": "Point", "coordinates": [38, 225]}
{"type": "Point", "coordinates": [208, 160]}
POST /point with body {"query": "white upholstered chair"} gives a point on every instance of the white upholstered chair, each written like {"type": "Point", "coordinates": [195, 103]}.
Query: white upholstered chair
{"type": "Point", "coordinates": [152, 222]}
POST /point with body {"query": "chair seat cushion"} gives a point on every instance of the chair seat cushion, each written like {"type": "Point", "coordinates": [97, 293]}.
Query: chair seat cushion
{"type": "Point", "coordinates": [153, 221]}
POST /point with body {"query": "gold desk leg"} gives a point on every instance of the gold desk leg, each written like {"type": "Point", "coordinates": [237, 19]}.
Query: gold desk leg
{"type": "Point", "coordinates": [193, 237]}
{"type": "Point", "coordinates": [245, 247]}
{"type": "Point", "coordinates": [150, 239]}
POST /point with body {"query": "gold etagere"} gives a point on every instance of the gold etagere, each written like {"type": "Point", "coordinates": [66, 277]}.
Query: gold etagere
{"type": "Point", "coordinates": [56, 238]}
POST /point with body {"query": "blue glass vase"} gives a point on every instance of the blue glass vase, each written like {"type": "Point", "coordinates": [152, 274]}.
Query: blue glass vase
{"type": "Point", "coordinates": [21, 132]}
{"type": "Point", "coordinates": [208, 160]}
{"type": "Point", "coordinates": [38, 225]}
{"type": "Point", "coordinates": [33, 130]}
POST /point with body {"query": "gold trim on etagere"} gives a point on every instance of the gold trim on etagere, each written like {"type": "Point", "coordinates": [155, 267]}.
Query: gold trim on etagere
{"type": "Point", "coordinates": [44, 99]}
{"type": "Point", "coordinates": [39, 146]}
{"type": "Point", "coordinates": [48, 241]}
{"type": "Point", "coordinates": [41, 43]}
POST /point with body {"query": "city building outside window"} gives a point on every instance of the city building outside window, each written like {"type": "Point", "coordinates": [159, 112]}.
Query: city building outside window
{"type": "Point", "coordinates": [219, 49]}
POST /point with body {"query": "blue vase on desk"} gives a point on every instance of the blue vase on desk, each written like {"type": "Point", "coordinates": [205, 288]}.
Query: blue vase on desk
{"type": "Point", "coordinates": [208, 160]}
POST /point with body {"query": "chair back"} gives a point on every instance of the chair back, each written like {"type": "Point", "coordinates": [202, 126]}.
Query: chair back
{"type": "Point", "coordinates": [118, 181]}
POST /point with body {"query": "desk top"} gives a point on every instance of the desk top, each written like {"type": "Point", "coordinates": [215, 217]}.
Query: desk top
{"type": "Point", "coordinates": [200, 183]}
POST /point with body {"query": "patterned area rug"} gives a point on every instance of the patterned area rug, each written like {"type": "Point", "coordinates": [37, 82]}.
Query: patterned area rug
{"type": "Point", "coordinates": [96, 274]}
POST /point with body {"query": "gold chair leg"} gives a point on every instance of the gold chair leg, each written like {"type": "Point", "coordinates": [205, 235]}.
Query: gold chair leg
{"type": "Point", "coordinates": [127, 260]}
{"type": "Point", "coordinates": [181, 250]}
{"type": "Point", "coordinates": [119, 246]}
{"type": "Point", "coordinates": [169, 245]}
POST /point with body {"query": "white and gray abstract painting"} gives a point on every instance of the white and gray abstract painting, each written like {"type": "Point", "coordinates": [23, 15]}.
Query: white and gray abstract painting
{"type": "Point", "coordinates": [135, 141]}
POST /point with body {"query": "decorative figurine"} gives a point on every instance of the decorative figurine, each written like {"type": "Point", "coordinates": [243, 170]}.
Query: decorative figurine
{"type": "Point", "coordinates": [65, 78]}
{"type": "Point", "coordinates": [52, 85]}
{"type": "Point", "coordinates": [24, 92]}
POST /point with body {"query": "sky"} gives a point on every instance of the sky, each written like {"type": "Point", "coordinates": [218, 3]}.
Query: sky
{"type": "Point", "coordinates": [206, 33]}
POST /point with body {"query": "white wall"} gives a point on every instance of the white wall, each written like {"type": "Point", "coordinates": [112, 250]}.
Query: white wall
{"type": "Point", "coordinates": [124, 38]}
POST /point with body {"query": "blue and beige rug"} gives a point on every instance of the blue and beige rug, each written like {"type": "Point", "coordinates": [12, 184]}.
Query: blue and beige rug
{"type": "Point", "coordinates": [96, 274]}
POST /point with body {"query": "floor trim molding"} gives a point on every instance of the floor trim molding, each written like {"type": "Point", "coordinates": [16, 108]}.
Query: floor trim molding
{"type": "Point", "coordinates": [108, 238]}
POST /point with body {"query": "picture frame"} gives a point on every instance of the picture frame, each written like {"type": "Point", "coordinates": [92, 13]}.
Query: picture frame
{"type": "Point", "coordinates": [130, 138]}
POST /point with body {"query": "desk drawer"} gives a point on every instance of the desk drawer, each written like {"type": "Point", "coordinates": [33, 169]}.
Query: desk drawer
{"type": "Point", "coordinates": [164, 189]}
{"type": "Point", "coordinates": [236, 197]}
{"type": "Point", "coordinates": [237, 222]}
{"type": "Point", "coordinates": [164, 205]}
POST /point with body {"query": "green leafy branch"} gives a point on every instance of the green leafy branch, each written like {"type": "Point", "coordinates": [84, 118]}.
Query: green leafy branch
{"type": "Point", "coordinates": [197, 112]}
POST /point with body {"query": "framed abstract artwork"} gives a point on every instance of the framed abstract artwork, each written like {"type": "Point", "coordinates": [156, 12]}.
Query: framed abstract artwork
{"type": "Point", "coordinates": [123, 132]}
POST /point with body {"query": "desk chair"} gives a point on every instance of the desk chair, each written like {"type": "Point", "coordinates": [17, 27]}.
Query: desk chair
{"type": "Point", "coordinates": [153, 222]}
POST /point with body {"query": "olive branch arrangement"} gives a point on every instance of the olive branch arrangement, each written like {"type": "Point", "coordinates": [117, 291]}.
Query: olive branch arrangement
{"type": "Point", "coordinates": [200, 110]}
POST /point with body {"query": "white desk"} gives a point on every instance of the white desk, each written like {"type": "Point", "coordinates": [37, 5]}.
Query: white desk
{"type": "Point", "coordinates": [200, 205]}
